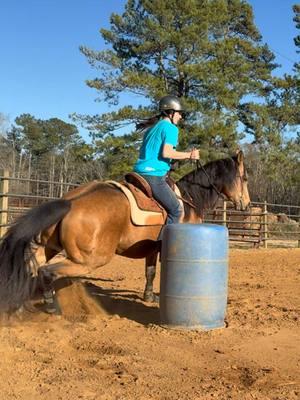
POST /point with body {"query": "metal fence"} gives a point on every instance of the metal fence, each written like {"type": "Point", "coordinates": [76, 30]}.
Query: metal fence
{"type": "Point", "coordinates": [17, 195]}
{"type": "Point", "coordinates": [263, 225]}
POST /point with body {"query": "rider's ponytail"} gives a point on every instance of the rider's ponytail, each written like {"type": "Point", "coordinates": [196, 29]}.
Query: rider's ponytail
{"type": "Point", "coordinates": [146, 123]}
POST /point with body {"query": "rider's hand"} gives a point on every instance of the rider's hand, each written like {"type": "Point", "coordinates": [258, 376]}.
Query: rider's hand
{"type": "Point", "coordinates": [195, 154]}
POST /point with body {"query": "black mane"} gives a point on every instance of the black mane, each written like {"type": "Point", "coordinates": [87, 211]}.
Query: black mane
{"type": "Point", "coordinates": [201, 190]}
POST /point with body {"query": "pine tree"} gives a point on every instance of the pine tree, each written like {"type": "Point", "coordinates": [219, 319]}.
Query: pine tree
{"type": "Point", "coordinates": [51, 148]}
{"type": "Point", "coordinates": [209, 52]}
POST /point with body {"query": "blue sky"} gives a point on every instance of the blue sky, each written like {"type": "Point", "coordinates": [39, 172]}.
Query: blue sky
{"type": "Point", "coordinates": [42, 71]}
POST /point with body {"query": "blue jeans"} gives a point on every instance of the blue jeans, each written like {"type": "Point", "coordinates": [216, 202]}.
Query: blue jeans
{"type": "Point", "coordinates": [165, 196]}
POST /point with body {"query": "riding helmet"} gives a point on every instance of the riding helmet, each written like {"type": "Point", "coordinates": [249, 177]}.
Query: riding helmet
{"type": "Point", "coordinates": [170, 103]}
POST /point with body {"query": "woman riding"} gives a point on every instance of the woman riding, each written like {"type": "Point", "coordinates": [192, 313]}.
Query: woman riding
{"type": "Point", "coordinates": [157, 151]}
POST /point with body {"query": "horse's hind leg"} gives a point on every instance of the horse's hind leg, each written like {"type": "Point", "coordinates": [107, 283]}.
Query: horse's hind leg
{"type": "Point", "coordinates": [150, 271]}
{"type": "Point", "coordinates": [66, 268]}
{"type": "Point", "coordinates": [55, 272]}
{"type": "Point", "coordinates": [43, 255]}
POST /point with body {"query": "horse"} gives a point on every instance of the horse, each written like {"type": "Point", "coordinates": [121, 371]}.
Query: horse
{"type": "Point", "coordinates": [92, 222]}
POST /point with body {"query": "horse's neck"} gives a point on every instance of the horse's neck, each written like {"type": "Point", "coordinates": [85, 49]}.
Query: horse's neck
{"type": "Point", "coordinates": [203, 197]}
{"type": "Point", "coordinates": [192, 217]}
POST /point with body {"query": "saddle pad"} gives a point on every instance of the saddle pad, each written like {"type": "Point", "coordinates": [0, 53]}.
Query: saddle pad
{"type": "Point", "coordinates": [138, 216]}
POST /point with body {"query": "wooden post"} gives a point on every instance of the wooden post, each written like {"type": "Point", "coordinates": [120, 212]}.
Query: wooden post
{"type": "Point", "coordinates": [4, 188]}
{"type": "Point", "coordinates": [299, 234]}
{"type": "Point", "coordinates": [225, 213]}
{"type": "Point", "coordinates": [265, 224]}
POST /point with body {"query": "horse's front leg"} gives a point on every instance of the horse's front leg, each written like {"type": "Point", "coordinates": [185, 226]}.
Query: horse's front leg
{"type": "Point", "coordinates": [150, 271]}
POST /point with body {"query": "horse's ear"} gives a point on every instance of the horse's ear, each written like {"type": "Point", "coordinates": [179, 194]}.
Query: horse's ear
{"type": "Point", "coordinates": [239, 156]}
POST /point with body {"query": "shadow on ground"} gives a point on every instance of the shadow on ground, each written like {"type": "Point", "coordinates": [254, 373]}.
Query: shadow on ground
{"type": "Point", "coordinates": [125, 303]}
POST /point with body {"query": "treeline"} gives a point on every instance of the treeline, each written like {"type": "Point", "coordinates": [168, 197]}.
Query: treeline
{"type": "Point", "coordinates": [211, 54]}
{"type": "Point", "coordinates": [49, 150]}
{"type": "Point", "coordinates": [52, 150]}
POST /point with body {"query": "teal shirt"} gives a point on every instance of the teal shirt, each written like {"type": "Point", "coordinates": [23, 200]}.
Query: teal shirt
{"type": "Point", "coordinates": [151, 161]}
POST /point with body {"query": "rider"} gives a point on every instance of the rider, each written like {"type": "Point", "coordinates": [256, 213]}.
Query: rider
{"type": "Point", "coordinates": [157, 151]}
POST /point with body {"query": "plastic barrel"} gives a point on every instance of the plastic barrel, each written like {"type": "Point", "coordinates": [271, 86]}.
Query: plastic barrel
{"type": "Point", "coordinates": [194, 276]}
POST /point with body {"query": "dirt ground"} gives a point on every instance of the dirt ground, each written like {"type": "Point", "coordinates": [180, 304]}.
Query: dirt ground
{"type": "Point", "coordinates": [119, 350]}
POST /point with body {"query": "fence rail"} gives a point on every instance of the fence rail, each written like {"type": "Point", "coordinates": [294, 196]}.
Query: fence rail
{"type": "Point", "coordinates": [256, 227]}
{"type": "Point", "coordinates": [259, 227]}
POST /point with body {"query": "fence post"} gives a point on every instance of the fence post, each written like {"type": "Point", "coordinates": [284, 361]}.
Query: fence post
{"type": "Point", "coordinates": [4, 188]}
{"type": "Point", "coordinates": [299, 234]}
{"type": "Point", "coordinates": [265, 223]}
{"type": "Point", "coordinates": [225, 213]}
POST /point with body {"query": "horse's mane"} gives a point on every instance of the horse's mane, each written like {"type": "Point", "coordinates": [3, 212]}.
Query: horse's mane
{"type": "Point", "coordinates": [200, 187]}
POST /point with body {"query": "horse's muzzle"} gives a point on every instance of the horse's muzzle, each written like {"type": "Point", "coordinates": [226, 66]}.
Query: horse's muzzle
{"type": "Point", "coordinates": [241, 206]}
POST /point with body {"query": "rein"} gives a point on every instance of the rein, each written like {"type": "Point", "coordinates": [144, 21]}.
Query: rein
{"type": "Point", "coordinates": [190, 201]}
{"type": "Point", "coordinates": [200, 166]}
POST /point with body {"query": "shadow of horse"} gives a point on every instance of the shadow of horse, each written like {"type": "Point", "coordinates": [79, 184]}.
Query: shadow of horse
{"type": "Point", "coordinates": [80, 299]}
{"type": "Point", "coordinates": [124, 303]}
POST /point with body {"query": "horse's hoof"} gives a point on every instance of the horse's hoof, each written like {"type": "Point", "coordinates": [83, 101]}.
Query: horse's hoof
{"type": "Point", "coordinates": [52, 309]}
{"type": "Point", "coordinates": [151, 297]}
{"type": "Point", "coordinates": [19, 313]}
{"type": "Point", "coordinates": [51, 305]}
{"type": "Point", "coordinates": [28, 307]}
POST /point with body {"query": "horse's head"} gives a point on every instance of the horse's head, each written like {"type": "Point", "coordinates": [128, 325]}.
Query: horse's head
{"type": "Point", "coordinates": [237, 189]}
{"type": "Point", "coordinates": [206, 184]}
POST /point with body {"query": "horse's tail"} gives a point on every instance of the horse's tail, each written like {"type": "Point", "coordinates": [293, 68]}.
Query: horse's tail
{"type": "Point", "coordinates": [17, 261]}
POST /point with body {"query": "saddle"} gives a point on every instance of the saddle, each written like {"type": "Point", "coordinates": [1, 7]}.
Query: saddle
{"type": "Point", "coordinates": [139, 186]}
{"type": "Point", "coordinates": [145, 210]}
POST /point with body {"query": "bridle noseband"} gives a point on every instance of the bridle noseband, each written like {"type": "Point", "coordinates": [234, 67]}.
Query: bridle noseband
{"type": "Point", "coordinates": [242, 179]}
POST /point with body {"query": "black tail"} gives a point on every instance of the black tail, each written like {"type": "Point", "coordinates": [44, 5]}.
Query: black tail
{"type": "Point", "coordinates": [16, 255]}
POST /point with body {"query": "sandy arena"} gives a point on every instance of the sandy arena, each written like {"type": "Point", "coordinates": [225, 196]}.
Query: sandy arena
{"type": "Point", "coordinates": [117, 350]}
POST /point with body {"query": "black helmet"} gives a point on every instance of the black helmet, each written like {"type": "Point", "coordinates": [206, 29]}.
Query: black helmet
{"type": "Point", "coordinates": [170, 103]}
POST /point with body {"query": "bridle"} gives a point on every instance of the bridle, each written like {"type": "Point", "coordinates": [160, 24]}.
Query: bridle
{"type": "Point", "coordinates": [242, 179]}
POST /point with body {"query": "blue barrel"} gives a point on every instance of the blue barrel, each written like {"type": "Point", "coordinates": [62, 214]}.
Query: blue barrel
{"type": "Point", "coordinates": [194, 276]}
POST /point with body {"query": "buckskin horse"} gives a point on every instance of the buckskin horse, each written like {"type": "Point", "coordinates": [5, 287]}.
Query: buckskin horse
{"type": "Point", "coordinates": [93, 222]}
